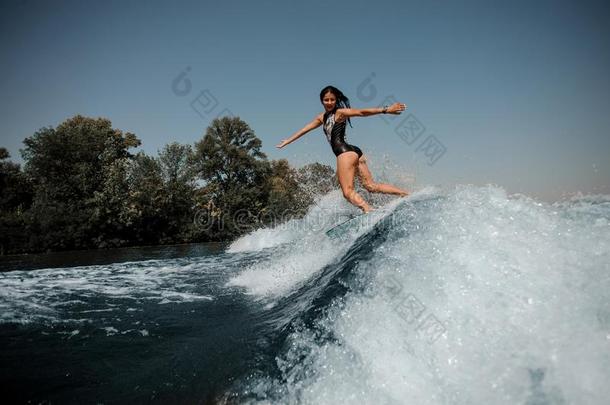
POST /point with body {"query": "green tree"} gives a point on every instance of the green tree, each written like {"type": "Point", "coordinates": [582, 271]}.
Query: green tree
{"type": "Point", "coordinates": [112, 213]}
{"type": "Point", "coordinates": [285, 200]}
{"type": "Point", "coordinates": [146, 196]}
{"type": "Point", "coordinates": [178, 174]}
{"type": "Point", "coordinates": [69, 165]}
{"type": "Point", "coordinates": [15, 187]}
{"type": "Point", "coordinates": [234, 172]}
{"type": "Point", "coordinates": [15, 200]}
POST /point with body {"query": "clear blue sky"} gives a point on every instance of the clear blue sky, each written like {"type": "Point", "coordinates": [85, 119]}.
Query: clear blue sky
{"type": "Point", "coordinates": [518, 93]}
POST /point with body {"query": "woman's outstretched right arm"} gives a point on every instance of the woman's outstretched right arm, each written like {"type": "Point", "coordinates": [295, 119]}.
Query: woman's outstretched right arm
{"type": "Point", "coordinates": [312, 125]}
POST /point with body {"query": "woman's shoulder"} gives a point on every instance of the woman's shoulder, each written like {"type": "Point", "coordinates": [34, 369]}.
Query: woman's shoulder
{"type": "Point", "coordinates": [339, 115]}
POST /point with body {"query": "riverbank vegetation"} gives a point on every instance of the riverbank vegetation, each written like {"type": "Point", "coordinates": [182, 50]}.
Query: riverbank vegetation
{"type": "Point", "coordinates": [83, 186]}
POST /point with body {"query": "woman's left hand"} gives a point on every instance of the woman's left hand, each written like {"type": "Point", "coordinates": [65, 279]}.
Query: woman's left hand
{"type": "Point", "coordinates": [397, 108]}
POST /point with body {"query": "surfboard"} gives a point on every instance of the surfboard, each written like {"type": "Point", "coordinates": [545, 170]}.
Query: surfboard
{"type": "Point", "coordinates": [343, 226]}
{"type": "Point", "coordinates": [364, 220]}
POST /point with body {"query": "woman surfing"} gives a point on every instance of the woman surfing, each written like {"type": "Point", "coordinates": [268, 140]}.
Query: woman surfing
{"type": "Point", "coordinates": [350, 159]}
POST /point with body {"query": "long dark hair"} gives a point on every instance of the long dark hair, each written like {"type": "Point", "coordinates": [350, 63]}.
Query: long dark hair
{"type": "Point", "coordinates": [342, 100]}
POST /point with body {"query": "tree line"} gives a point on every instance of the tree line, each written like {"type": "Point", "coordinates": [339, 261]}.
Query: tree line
{"type": "Point", "coordinates": [81, 187]}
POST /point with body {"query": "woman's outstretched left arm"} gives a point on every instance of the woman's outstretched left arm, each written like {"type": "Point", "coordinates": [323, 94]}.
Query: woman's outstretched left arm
{"type": "Point", "coordinates": [395, 108]}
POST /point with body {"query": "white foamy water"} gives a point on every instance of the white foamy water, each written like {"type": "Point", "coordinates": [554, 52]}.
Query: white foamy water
{"type": "Point", "coordinates": [478, 298]}
{"type": "Point", "coordinates": [306, 249]}
{"type": "Point", "coordinates": [327, 209]}
{"type": "Point", "coordinates": [468, 296]}
{"type": "Point", "coordinates": [35, 295]}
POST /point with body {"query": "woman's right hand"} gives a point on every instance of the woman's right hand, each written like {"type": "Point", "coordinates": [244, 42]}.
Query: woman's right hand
{"type": "Point", "coordinates": [397, 108]}
{"type": "Point", "coordinates": [282, 144]}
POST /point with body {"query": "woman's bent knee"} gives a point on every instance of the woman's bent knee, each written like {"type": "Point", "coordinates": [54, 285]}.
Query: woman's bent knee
{"type": "Point", "coordinates": [348, 193]}
{"type": "Point", "coordinates": [371, 187]}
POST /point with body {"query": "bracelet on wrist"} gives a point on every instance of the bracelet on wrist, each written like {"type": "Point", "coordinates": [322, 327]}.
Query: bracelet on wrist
{"type": "Point", "coordinates": [385, 109]}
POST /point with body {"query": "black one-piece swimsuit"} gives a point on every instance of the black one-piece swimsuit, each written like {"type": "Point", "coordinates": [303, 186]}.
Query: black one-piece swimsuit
{"type": "Point", "coordinates": [335, 133]}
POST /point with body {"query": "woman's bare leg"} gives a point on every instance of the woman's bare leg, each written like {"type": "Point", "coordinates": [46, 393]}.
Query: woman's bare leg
{"type": "Point", "coordinates": [347, 165]}
{"type": "Point", "coordinates": [366, 178]}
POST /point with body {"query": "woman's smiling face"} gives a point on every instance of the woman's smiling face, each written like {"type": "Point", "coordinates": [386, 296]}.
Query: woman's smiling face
{"type": "Point", "coordinates": [329, 101]}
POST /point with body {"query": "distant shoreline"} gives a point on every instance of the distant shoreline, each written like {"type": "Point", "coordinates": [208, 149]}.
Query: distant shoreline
{"type": "Point", "coordinates": [103, 256]}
